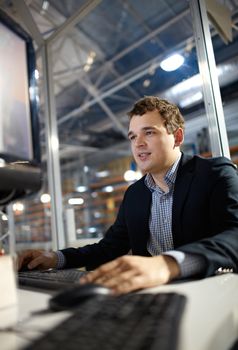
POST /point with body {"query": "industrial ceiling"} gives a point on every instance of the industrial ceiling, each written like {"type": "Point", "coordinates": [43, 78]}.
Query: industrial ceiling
{"type": "Point", "coordinates": [111, 57]}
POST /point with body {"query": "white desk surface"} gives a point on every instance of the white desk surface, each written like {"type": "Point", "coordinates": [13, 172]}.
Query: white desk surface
{"type": "Point", "coordinates": [210, 320]}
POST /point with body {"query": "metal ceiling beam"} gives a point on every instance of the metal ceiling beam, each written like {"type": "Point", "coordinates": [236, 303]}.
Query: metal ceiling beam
{"type": "Point", "coordinates": [56, 20]}
{"type": "Point", "coordinates": [74, 19]}
{"type": "Point", "coordinates": [95, 93]}
{"type": "Point", "coordinates": [29, 22]}
{"type": "Point", "coordinates": [97, 83]}
{"type": "Point", "coordinates": [148, 36]}
{"type": "Point", "coordinates": [144, 69]}
{"type": "Point", "coordinates": [71, 21]}
{"type": "Point", "coordinates": [142, 23]}
{"type": "Point", "coordinates": [130, 48]}
{"type": "Point", "coordinates": [133, 46]}
{"type": "Point", "coordinates": [120, 78]}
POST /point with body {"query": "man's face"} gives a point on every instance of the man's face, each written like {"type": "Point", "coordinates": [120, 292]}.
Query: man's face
{"type": "Point", "coordinates": [153, 148]}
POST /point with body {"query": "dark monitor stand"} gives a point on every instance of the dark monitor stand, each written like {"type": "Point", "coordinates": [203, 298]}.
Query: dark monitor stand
{"type": "Point", "coordinates": [18, 179]}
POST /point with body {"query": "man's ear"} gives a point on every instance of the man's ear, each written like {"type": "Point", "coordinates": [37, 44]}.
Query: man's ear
{"type": "Point", "coordinates": [178, 137]}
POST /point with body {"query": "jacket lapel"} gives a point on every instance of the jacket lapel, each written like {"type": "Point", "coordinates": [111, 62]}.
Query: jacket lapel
{"type": "Point", "coordinates": [181, 189]}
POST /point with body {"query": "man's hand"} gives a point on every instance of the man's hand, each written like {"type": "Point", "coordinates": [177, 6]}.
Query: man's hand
{"type": "Point", "coordinates": [129, 273]}
{"type": "Point", "coordinates": [39, 259]}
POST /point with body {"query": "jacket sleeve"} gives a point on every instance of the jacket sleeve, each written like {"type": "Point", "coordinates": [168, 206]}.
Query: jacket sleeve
{"type": "Point", "coordinates": [220, 250]}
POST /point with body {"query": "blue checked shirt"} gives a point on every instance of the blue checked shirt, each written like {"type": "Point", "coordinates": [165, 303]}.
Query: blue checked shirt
{"type": "Point", "coordinates": [160, 220]}
{"type": "Point", "coordinates": [160, 224]}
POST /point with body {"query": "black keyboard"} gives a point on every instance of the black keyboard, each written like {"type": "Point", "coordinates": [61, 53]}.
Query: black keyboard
{"type": "Point", "coordinates": [50, 279]}
{"type": "Point", "coordinates": [129, 322]}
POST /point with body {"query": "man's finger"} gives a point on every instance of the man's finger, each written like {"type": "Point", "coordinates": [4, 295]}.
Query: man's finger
{"type": "Point", "coordinates": [36, 262]}
{"type": "Point", "coordinates": [126, 282]}
{"type": "Point", "coordinates": [113, 276]}
{"type": "Point", "coordinates": [101, 271]}
{"type": "Point", "coordinates": [116, 279]}
{"type": "Point", "coordinates": [131, 285]}
{"type": "Point", "coordinates": [24, 258]}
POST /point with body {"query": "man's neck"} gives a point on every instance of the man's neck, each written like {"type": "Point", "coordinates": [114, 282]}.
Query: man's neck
{"type": "Point", "coordinates": [159, 178]}
{"type": "Point", "coordinates": [160, 181]}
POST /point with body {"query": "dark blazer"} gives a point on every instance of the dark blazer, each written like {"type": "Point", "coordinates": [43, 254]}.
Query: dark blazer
{"type": "Point", "coordinates": [204, 218]}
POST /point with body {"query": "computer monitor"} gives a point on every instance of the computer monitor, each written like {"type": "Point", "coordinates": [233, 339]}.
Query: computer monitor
{"type": "Point", "coordinates": [20, 163]}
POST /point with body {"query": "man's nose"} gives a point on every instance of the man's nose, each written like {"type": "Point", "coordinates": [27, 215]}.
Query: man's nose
{"type": "Point", "coordinates": [140, 140]}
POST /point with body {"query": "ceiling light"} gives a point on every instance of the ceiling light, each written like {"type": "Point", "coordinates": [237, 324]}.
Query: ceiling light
{"type": "Point", "coordinates": [4, 217]}
{"type": "Point", "coordinates": [45, 198]}
{"type": "Point", "coordinates": [36, 74]}
{"type": "Point", "coordinates": [107, 189]}
{"type": "Point", "coordinates": [146, 82]}
{"type": "Point", "coordinates": [138, 175]}
{"type": "Point", "coordinates": [86, 169]}
{"type": "Point", "coordinates": [130, 175]}
{"type": "Point", "coordinates": [86, 67]}
{"type": "Point", "coordinates": [90, 60]}
{"type": "Point", "coordinates": [45, 5]}
{"type": "Point", "coordinates": [97, 215]}
{"type": "Point", "coordinates": [103, 173]}
{"type": "Point", "coordinates": [54, 143]}
{"type": "Point", "coordinates": [76, 201]}
{"type": "Point", "coordinates": [172, 62]}
{"type": "Point", "coordinates": [81, 189]}
{"type": "Point", "coordinates": [18, 206]}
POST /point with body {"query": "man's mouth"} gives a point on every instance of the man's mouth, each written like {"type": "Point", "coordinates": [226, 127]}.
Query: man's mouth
{"type": "Point", "coordinates": [143, 155]}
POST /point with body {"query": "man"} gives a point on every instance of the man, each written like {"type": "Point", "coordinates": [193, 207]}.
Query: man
{"type": "Point", "coordinates": [179, 220]}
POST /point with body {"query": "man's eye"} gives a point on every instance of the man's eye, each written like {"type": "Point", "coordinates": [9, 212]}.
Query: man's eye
{"type": "Point", "coordinates": [131, 138]}
{"type": "Point", "coordinates": [149, 132]}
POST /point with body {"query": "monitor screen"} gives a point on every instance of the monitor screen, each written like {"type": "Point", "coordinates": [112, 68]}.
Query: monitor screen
{"type": "Point", "coordinates": [20, 172]}
{"type": "Point", "coordinates": [19, 130]}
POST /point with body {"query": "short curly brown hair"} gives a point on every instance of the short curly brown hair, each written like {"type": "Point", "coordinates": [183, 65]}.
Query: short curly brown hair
{"type": "Point", "coordinates": [173, 119]}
